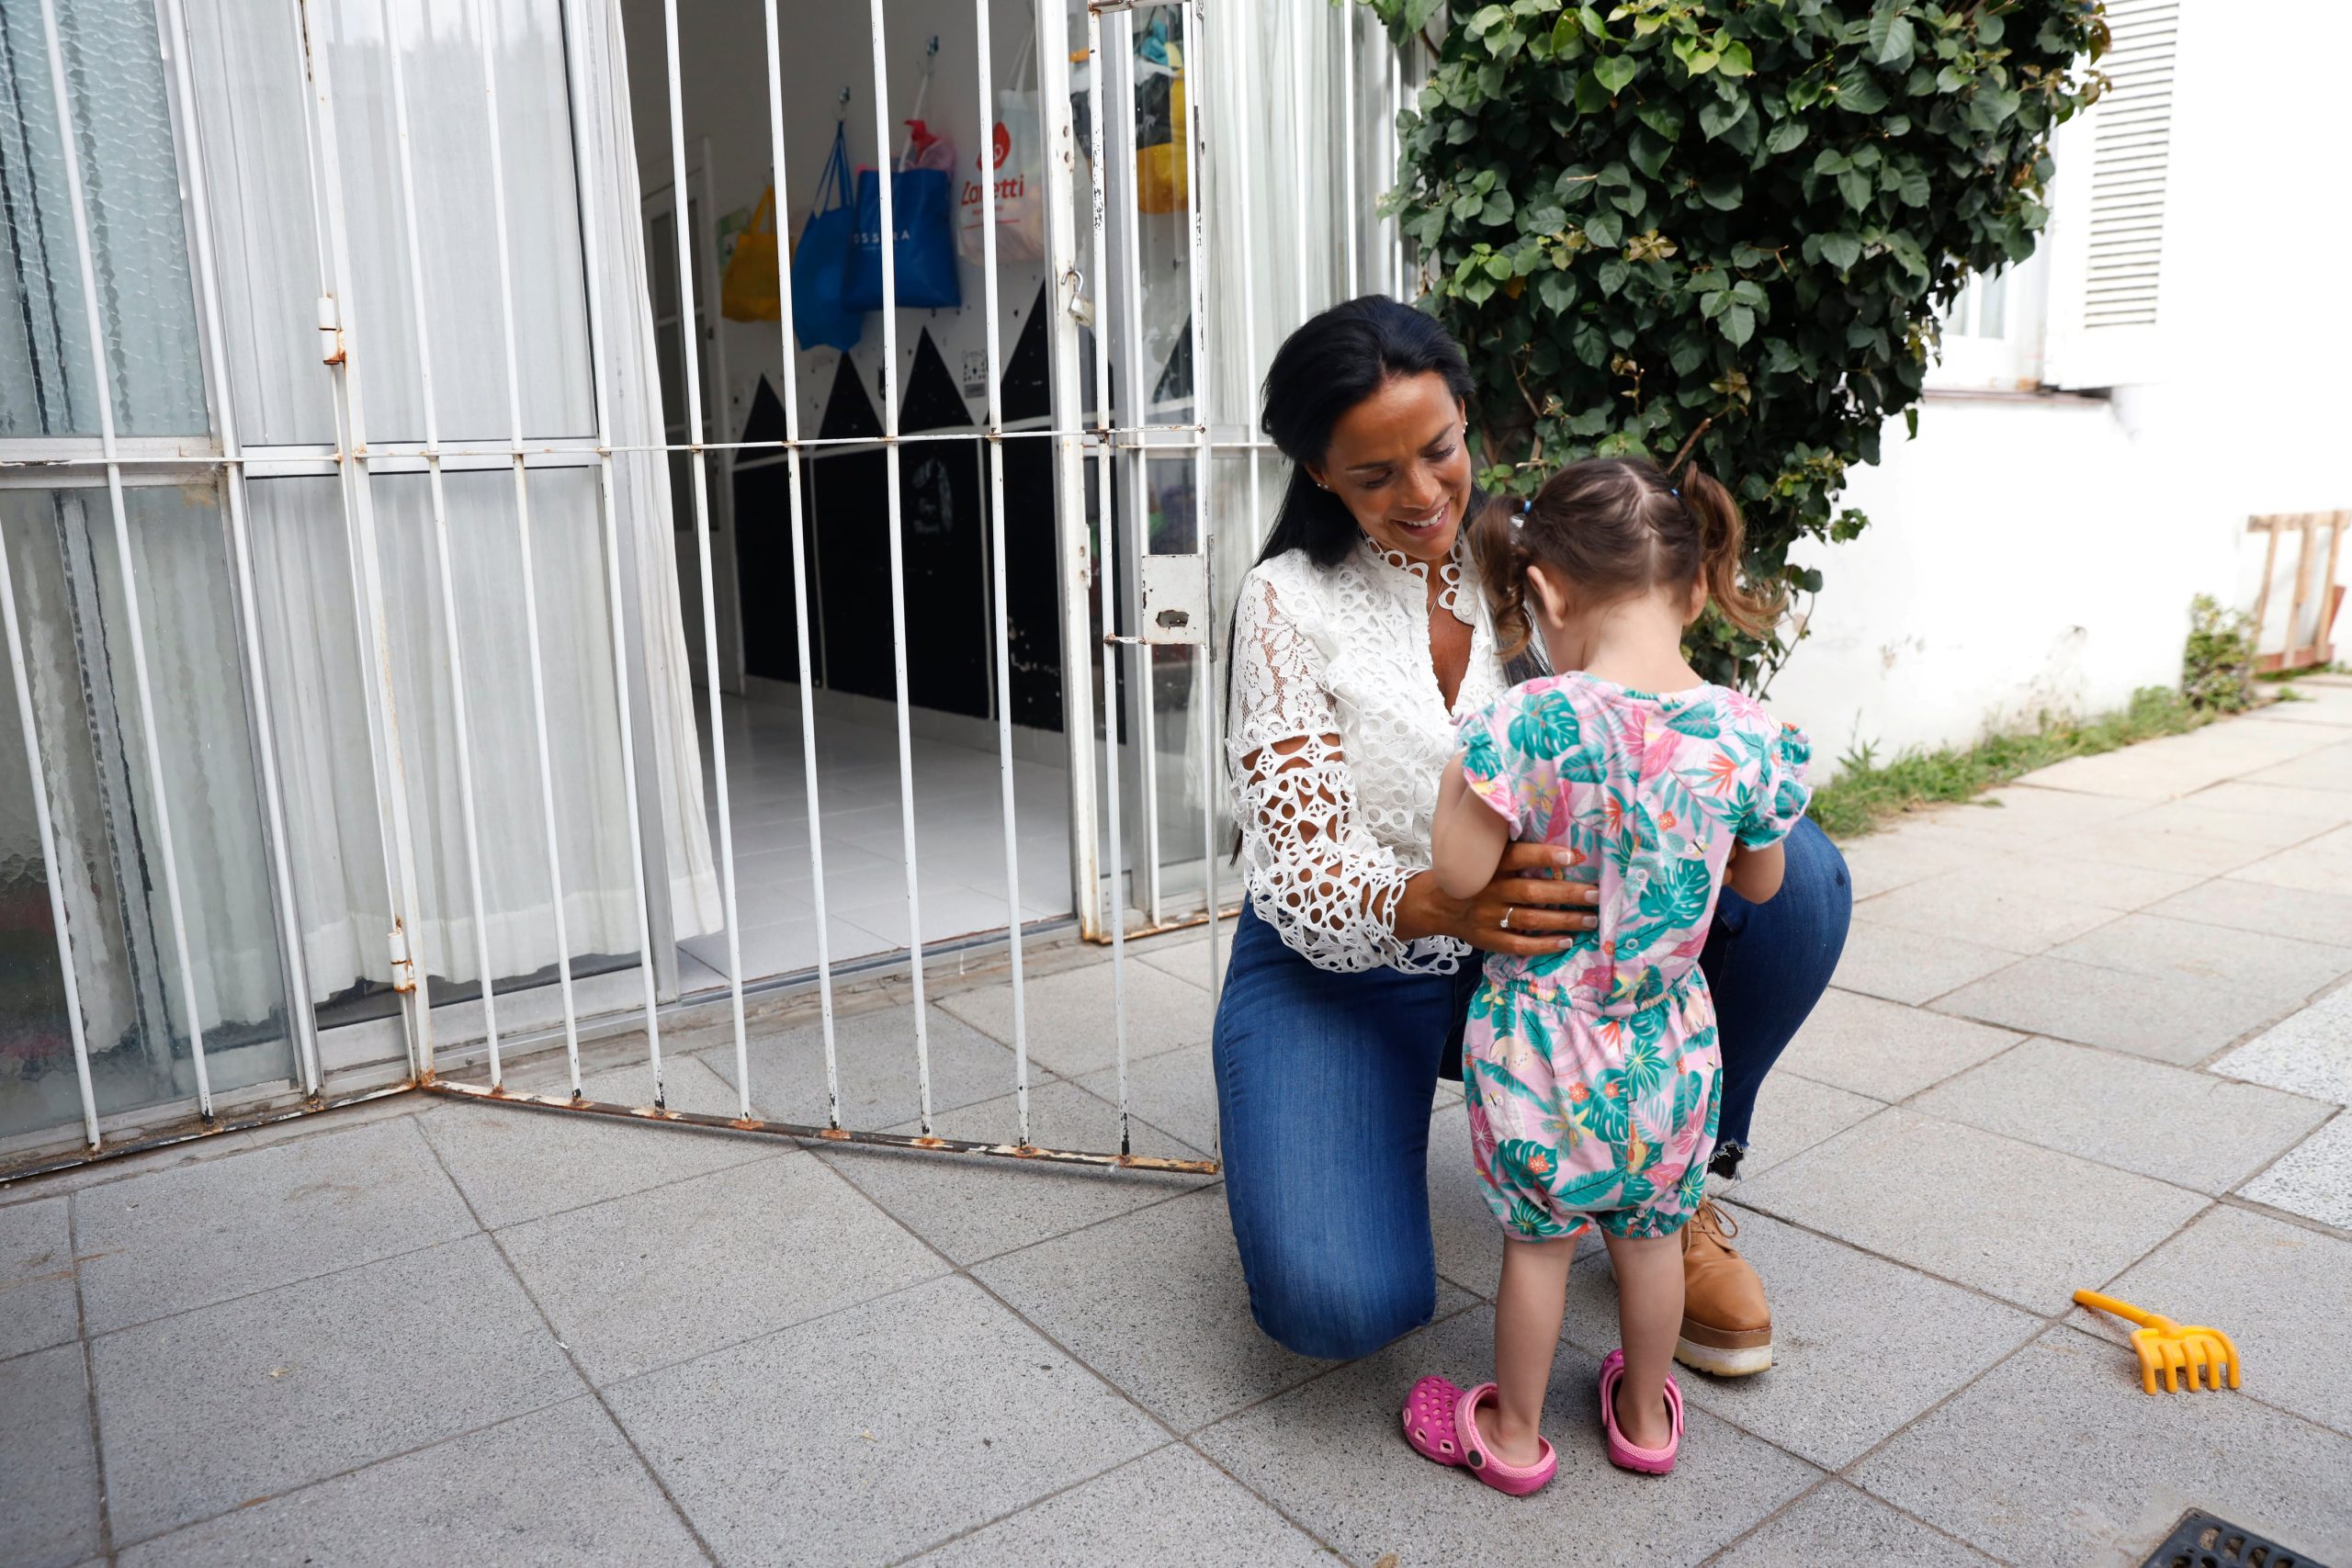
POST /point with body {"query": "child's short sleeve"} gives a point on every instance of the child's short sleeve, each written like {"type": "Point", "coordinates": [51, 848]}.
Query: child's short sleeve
{"type": "Point", "coordinates": [1487, 760]}
{"type": "Point", "coordinates": [1781, 793]}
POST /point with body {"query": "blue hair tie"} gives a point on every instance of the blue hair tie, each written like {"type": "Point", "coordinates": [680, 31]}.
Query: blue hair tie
{"type": "Point", "coordinates": [1674, 492]}
{"type": "Point", "coordinates": [1525, 507]}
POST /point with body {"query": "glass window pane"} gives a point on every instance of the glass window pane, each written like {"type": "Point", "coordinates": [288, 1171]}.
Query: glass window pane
{"type": "Point", "coordinates": [122, 132]}
{"type": "Point", "coordinates": [1993, 302]}
{"type": "Point", "coordinates": [442, 65]}
{"type": "Point", "coordinates": [35, 1037]}
{"type": "Point", "coordinates": [62, 550]}
{"type": "Point", "coordinates": [311, 637]}
{"type": "Point", "coordinates": [247, 59]}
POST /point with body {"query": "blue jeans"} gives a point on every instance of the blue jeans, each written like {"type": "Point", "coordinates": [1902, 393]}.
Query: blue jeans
{"type": "Point", "coordinates": [1324, 1083]}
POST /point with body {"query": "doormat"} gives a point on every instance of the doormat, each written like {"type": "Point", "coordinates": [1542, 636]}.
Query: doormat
{"type": "Point", "coordinates": [2200, 1540]}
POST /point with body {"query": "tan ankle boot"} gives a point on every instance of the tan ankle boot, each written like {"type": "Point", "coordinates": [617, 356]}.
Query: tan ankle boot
{"type": "Point", "coordinates": [1727, 1327]}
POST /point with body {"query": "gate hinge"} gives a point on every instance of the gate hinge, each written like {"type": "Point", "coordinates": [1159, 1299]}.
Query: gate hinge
{"type": "Point", "coordinates": [404, 966]}
{"type": "Point", "coordinates": [330, 331]}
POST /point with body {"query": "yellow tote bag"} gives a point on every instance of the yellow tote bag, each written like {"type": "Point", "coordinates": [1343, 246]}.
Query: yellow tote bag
{"type": "Point", "coordinates": [750, 288]}
{"type": "Point", "coordinates": [1161, 166]}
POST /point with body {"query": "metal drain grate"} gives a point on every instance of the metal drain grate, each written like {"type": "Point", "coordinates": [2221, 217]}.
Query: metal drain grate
{"type": "Point", "coordinates": [2200, 1540]}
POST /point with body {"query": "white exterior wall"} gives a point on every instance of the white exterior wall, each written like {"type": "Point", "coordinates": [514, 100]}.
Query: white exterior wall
{"type": "Point", "coordinates": [2042, 552]}
{"type": "Point", "coordinates": [2023, 556]}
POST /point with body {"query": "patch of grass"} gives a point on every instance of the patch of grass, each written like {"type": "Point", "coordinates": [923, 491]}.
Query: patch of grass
{"type": "Point", "coordinates": [1868, 792]}
{"type": "Point", "coordinates": [2280, 677]}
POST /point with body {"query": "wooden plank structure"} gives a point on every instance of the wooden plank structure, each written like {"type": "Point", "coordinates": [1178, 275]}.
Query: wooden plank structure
{"type": "Point", "coordinates": [2314, 590]}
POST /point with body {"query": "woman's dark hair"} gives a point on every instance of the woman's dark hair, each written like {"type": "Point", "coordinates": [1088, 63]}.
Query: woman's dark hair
{"type": "Point", "coordinates": [1613, 527]}
{"type": "Point", "coordinates": [1328, 365]}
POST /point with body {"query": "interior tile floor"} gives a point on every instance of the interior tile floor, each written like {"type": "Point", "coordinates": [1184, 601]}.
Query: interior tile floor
{"type": "Point", "coordinates": [959, 841]}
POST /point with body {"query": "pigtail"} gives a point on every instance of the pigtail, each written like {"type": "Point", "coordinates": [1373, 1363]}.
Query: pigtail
{"type": "Point", "coordinates": [1502, 556]}
{"type": "Point", "coordinates": [1722, 544]}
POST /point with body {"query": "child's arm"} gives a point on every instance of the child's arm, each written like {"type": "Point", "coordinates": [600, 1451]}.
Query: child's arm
{"type": "Point", "coordinates": [1754, 874]}
{"type": "Point", "coordinates": [1468, 837]}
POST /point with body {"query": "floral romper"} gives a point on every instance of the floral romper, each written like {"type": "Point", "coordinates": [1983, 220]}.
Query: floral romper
{"type": "Point", "coordinates": [1592, 1074]}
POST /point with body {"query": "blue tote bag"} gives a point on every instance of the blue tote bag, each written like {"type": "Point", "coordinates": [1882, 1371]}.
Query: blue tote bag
{"type": "Point", "coordinates": [922, 211]}
{"type": "Point", "coordinates": [821, 315]}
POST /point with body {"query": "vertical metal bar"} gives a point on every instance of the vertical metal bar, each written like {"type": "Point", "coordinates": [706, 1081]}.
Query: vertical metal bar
{"type": "Point", "coordinates": [102, 376]}
{"type": "Point", "coordinates": [303, 1018]}
{"type": "Point", "coordinates": [1136, 463]}
{"type": "Point", "coordinates": [1197, 54]}
{"type": "Point", "coordinates": [412, 224]}
{"type": "Point", "coordinates": [890, 458]}
{"type": "Point", "coordinates": [1105, 452]}
{"type": "Point", "coordinates": [1300, 230]}
{"type": "Point", "coordinates": [692, 371]}
{"type": "Point", "coordinates": [1243, 163]}
{"type": "Point", "coordinates": [1067, 309]}
{"type": "Point", "coordinates": [1396, 169]}
{"type": "Point", "coordinates": [372, 625]}
{"type": "Point", "coordinates": [1349, 220]}
{"type": "Point", "coordinates": [586, 171]}
{"type": "Point", "coordinates": [789, 354]}
{"type": "Point", "coordinates": [1002, 629]}
{"type": "Point", "coordinates": [38, 783]}
{"type": "Point", "coordinates": [523, 527]}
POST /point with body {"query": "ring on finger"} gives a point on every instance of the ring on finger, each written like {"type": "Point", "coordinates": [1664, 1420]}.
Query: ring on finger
{"type": "Point", "coordinates": [1509, 911]}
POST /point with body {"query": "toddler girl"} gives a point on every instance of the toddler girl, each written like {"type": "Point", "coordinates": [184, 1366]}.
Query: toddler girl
{"type": "Point", "coordinates": [1591, 1075]}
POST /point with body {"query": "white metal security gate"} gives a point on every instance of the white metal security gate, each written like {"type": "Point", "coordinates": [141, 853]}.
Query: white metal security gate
{"type": "Point", "coordinates": [1108, 428]}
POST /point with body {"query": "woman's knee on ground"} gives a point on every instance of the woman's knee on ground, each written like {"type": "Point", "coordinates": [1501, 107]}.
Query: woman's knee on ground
{"type": "Point", "coordinates": [1315, 1300]}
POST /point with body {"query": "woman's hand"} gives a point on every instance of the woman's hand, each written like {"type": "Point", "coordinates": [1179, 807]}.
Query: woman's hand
{"type": "Point", "coordinates": [1546, 915]}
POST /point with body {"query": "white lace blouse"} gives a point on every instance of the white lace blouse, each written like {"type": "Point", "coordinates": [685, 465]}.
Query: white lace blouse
{"type": "Point", "coordinates": [1338, 737]}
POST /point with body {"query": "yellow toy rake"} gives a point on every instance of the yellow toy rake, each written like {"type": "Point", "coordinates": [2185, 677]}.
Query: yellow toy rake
{"type": "Point", "coordinates": [2173, 1348]}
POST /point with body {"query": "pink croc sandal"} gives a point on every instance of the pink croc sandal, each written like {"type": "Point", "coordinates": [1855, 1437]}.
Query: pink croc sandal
{"type": "Point", "coordinates": [1441, 1423]}
{"type": "Point", "coordinates": [1623, 1454]}
{"type": "Point", "coordinates": [1428, 1420]}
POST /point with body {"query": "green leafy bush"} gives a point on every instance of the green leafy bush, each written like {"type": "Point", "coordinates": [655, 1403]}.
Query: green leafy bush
{"type": "Point", "coordinates": [2217, 666]}
{"type": "Point", "coordinates": [1732, 220]}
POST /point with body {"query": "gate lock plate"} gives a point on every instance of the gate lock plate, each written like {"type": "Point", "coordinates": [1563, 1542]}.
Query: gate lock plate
{"type": "Point", "coordinates": [1175, 600]}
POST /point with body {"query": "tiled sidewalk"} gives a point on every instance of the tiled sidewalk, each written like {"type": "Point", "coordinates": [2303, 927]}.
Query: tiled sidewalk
{"type": "Point", "coordinates": [2100, 1035]}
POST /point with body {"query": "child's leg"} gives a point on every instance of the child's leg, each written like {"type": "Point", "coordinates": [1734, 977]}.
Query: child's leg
{"type": "Point", "coordinates": [1528, 1307]}
{"type": "Point", "coordinates": [1649, 1314]}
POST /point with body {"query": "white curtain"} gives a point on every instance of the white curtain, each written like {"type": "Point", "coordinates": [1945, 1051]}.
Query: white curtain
{"type": "Point", "coordinates": [310, 626]}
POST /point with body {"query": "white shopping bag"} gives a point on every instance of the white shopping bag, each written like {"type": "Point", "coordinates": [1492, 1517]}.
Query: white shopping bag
{"type": "Point", "coordinates": [1019, 173]}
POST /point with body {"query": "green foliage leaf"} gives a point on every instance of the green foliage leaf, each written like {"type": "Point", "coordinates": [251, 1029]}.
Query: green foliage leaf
{"type": "Point", "coordinates": [1718, 117]}
{"type": "Point", "coordinates": [1640, 215]}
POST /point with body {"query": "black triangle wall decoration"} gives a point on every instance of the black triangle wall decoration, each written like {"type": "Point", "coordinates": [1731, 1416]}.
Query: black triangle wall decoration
{"type": "Point", "coordinates": [849, 412]}
{"type": "Point", "coordinates": [765, 422]}
{"type": "Point", "coordinates": [1024, 392]}
{"type": "Point", "coordinates": [933, 401]}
